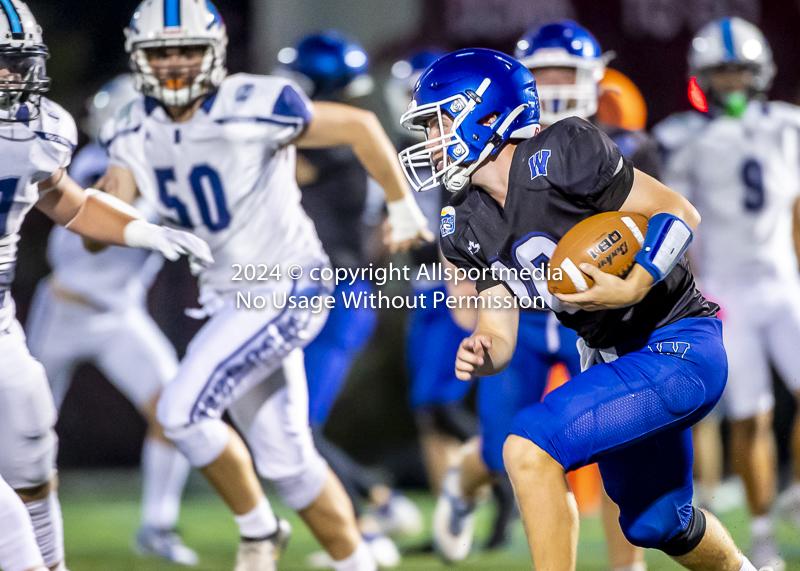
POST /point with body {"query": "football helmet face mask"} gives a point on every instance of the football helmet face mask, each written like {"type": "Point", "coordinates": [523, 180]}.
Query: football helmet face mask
{"type": "Point", "coordinates": [490, 97]}
{"type": "Point", "coordinates": [328, 66]}
{"type": "Point", "coordinates": [170, 76]}
{"type": "Point", "coordinates": [565, 44]}
{"type": "Point", "coordinates": [728, 48]}
{"type": "Point", "coordinates": [23, 78]}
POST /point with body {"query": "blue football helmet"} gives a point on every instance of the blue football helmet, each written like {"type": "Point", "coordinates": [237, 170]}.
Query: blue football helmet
{"type": "Point", "coordinates": [470, 86]}
{"type": "Point", "coordinates": [328, 65]}
{"type": "Point", "coordinates": [565, 44]}
{"type": "Point", "coordinates": [399, 88]}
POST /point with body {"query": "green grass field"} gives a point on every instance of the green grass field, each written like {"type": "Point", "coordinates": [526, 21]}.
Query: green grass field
{"type": "Point", "coordinates": [101, 515]}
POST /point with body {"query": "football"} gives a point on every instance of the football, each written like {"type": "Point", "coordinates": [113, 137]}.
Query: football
{"type": "Point", "coordinates": [609, 241]}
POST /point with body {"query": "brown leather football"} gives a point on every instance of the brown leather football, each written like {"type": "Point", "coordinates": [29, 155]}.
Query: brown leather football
{"type": "Point", "coordinates": [609, 241]}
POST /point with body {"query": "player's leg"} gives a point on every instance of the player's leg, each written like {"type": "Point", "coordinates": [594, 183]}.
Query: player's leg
{"type": "Point", "coordinates": [273, 416]}
{"type": "Point", "coordinates": [28, 452]}
{"type": "Point", "coordinates": [664, 385]}
{"type": "Point", "coordinates": [137, 358]}
{"type": "Point", "coordinates": [56, 337]}
{"type": "Point", "coordinates": [235, 351]}
{"type": "Point", "coordinates": [660, 513]}
{"type": "Point", "coordinates": [18, 548]}
{"type": "Point", "coordinates": [435, 394]}
{"type": "Point", "coordinates": [708, 458]}
{"type": "Point", "coordinates": [784, 338]}
{"type": "Point", "coordinates": [748, 402]}
{"type": "Point", "coordinates": [622, 554]}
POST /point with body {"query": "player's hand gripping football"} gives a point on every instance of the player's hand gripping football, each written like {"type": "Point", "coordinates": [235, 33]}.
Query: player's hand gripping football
{"type": "Point", "coordinates": [471, 356]}
{"type": "Point", "coordinates": [171, 243]}
{"type": "Point", "coordinates": [609, 291]}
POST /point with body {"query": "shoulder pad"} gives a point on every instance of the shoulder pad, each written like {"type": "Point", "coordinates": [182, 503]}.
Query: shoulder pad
{"type": "Point", "coordinates": [679, 127]}
{"type": "Point", "coordinates": [261, 99]}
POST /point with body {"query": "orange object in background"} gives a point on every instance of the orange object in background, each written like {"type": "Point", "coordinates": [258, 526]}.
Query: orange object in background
{"type": "Point", "coordinates": [621, 103]}
{"type": "Point", "coordinates": [585, 482]}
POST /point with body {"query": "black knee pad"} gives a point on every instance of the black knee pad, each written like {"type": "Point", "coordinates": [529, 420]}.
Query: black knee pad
{"type": "Point", "coordinates": [689, 538]}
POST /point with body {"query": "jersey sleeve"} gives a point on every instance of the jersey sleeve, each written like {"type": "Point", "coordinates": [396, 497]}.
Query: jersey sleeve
{"type": "Point", "coordinates": [58, 137]}
{"type": "Point", "coordinates": [580, 162]}
{"type": "Point", "coordinates": [276, 107]}
{"type": "Point", "coordinates": [642, 150]}
{"type": "Point", "coordinates": [456, 238]}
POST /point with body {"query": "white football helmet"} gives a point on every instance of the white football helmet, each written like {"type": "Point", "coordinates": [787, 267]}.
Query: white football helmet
{"type": "Point", "coordinates": [731, 41]}
{"type": "Point", "coordinates": [105, 104]}
{"type": "Point", "coordinates": [171, 23]}
{"type": "Point", "coordinates": [23, 79]}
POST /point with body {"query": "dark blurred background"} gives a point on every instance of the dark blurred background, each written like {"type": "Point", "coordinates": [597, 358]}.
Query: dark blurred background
{"type": "Point", "coordinates": [650, 37]}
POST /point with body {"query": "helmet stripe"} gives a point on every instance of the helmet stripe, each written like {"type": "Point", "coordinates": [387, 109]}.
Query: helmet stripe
{"type": "Point", "coordinates": [727, 38]}
{"type": "Point", "coordinates": [13, 19]}
{"type": "Point", "coordinates": [172, 13]}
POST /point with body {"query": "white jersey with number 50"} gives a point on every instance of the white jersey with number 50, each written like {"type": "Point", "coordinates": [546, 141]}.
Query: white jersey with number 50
{"type": "Point", "coordinates": [227, 174]}
{"type": "Point", "coordinates": [743, 176]}
{"type": "Point", "coordinates": [31, 152]}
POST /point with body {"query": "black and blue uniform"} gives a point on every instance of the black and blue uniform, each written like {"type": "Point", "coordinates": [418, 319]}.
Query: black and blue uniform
{"type": "Point", "coordinates": [659, 366]}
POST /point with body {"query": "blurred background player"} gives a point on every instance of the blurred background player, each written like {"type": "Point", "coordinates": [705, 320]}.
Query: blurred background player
{"type": "Point", "coordinates": [738, 165]}
{"type": "Point", "coordinates": [215, 155]}
{"type": "Point", "coordinates": [92, 309]}
{"type": "Point", "coordinates": [37, 138]}
{"type": "Point", "coordinates": [346, 208]}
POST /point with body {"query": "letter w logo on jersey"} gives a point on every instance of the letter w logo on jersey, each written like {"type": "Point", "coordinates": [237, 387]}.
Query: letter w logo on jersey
{"type": "Point", "coordinates": [538, 163]}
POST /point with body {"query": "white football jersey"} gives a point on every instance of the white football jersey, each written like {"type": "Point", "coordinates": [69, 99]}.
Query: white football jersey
{"type": "Point", "coordinates": [31, 152]}
{"type": "Point", "coordinates": [114, 278]}
{"type": "Point", "coordinates": [743, 176]}
{"type": "Point", "coordinates": [228, 174]}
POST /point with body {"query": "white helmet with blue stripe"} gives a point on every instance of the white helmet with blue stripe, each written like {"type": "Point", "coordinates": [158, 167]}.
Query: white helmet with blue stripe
{"type": "Point", "coordinates": [731, 42]}
{"type": "Point", "coordinates": [177, 23]}
{"type": "Point", "coordinates": [22, 62]}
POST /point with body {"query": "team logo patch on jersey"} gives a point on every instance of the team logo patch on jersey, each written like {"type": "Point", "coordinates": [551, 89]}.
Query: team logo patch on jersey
{"type": "Point", "coordinates": [244, 92]}
{"type": "Point", "coordinates": [538, 163]}
{"type": "Point", "coordinates": [448, 223]}
{"type": "Point", "coordinates": [473, 247]}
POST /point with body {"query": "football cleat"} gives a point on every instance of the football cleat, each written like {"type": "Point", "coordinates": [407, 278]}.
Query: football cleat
{"type": "Point", "coordinates": [399, 517]}
{"type": "Point", "coordinates": [453, 521]}
{"type": "Point", "coordinates": [383, 550]}
{"type": "Point", "coordinates": [164, 543]}
{"type": "Point", "coordinates": [263, 554]}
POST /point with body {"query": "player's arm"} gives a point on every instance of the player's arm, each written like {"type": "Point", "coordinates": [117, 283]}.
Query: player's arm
{"type": "Point", "coordinates": [672, 221]}
{"type": "Point", "coordinates": [334, 124]}
{"type": "Point", "coordinates": [104, 218]}
{"type": "Point", "coordinates": [489, 349]}
{"type": "Point", "coordinates": [120, 183]}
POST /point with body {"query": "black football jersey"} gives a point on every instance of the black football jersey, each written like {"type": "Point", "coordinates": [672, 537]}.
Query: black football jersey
{"type": "Point", "coordinates": [335, 202]}
{"type": "Point", "coordinates": [569, 172]}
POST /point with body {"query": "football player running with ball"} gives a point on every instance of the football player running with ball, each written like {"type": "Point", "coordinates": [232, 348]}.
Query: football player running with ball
{"type": "Point", "coordinates": [738, 164]}
{"type": "Point", "coordinates": [37, 139]}
{"type": "Point", "coordinates": [216, 155]}
{"type": "Point", "coordinates": [652, 352]}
